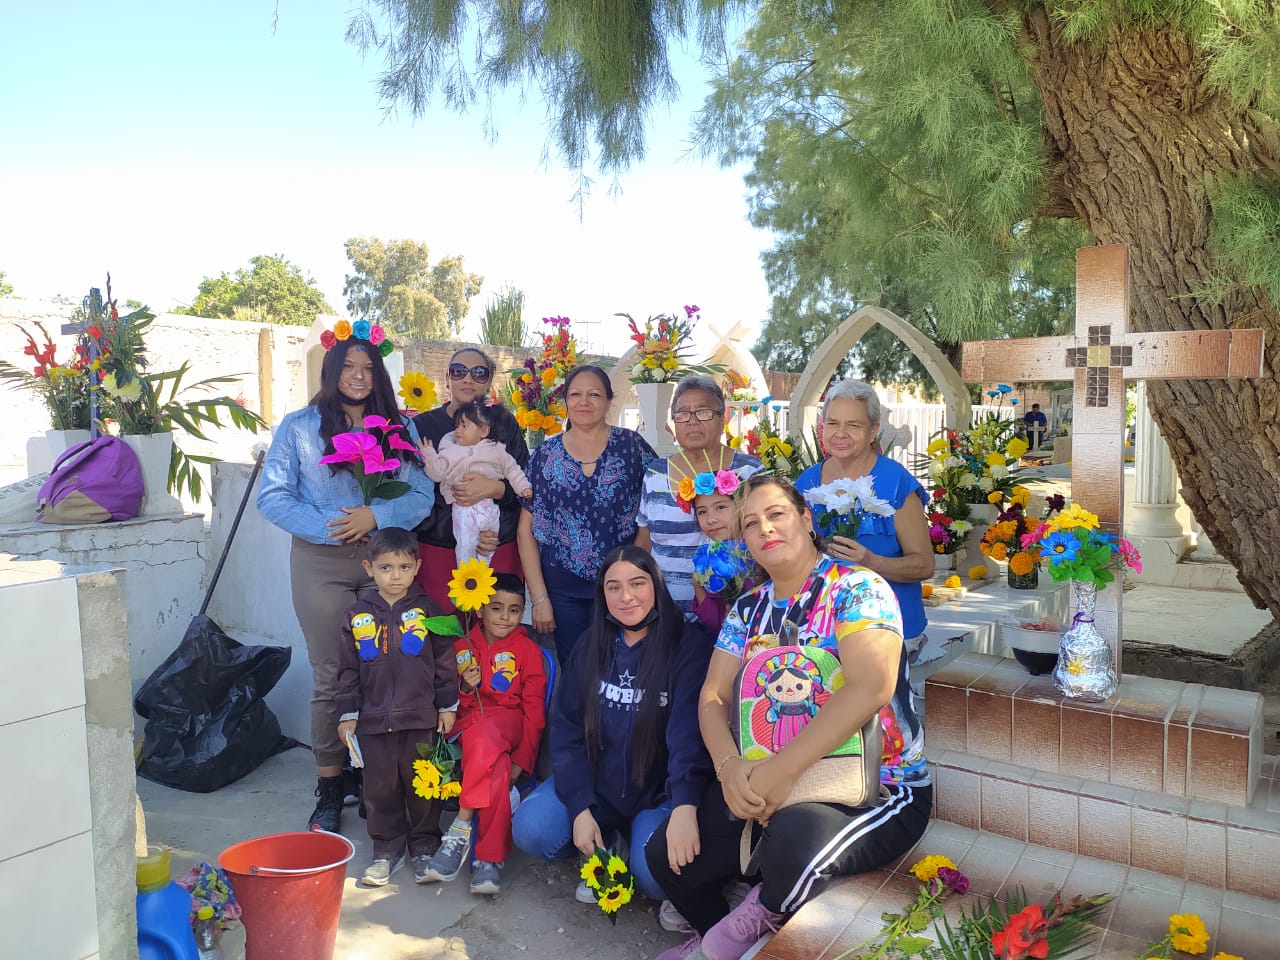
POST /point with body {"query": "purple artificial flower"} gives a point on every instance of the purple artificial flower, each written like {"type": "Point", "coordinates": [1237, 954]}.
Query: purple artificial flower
{"type": "Point", "coordinates": [956, 881]}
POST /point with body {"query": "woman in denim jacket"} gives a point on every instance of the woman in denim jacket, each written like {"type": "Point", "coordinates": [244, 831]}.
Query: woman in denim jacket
{"type": "Point", "coordinates": [323, 508]}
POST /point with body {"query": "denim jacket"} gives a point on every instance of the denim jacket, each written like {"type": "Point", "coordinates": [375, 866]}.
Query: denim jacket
{"type": "Point", "coordinates": [300, 496]}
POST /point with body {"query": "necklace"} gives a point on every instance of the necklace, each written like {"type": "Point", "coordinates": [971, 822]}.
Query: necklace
{"type": "Point", "coordinates": [689, 469]}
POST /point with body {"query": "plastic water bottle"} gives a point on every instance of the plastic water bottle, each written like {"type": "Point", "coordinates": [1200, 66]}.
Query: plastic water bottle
{"type": "Point", "coordinates": [207, 934]}
{"type": "Point", "coordinates": [164, 911]}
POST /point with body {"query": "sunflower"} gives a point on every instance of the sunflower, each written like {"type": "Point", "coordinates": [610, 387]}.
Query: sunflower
{"type": "Point", "coordinates": [417, 390]}
{"type": "Point", "coordinates": [615, 897]}
{"type": "Point", "coordinates": [592, 872]}
{"type": "Point", "coordinates": [472, 585]}
{"type": "Point", "coordinates": [426, 782]}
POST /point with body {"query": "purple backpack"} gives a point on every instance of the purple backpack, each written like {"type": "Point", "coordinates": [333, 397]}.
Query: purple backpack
{"type": "Point", "coordinates": [92, 482]}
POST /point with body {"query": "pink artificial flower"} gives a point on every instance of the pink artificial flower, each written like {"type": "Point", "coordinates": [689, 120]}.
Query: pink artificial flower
{"type": "Point", "coordinates": [690, 311]}
{"type": "Point", "coordinates": [350, 447]}
{"type": "Point", "coordinates": [375, 461]}
{"type": "Point", "coordinates": [377, 334]}
{"type": "Point", "coordinates": [327, 339]}
{"type": "Point", "coordinates": [726, 482]}
{"type": "Point", "coordinates": [373, 420]}
{"type": "Point", "coordinates": [1034, 536]}
{"type": "Point", "coordinates": [397, 442]}
{"type": "Point", "coordinates": [1131, 555]}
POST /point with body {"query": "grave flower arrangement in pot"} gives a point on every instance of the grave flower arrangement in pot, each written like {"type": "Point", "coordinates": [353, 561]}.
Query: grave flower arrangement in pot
{"type": "Point", "coordinates": [1075, 548]}
{"type": "Point", "coordinates": [62, 387]}
{"type": "Point", "coordinates": [536, 393]}
{"type": "Point", "coordinates": [1003, 539]}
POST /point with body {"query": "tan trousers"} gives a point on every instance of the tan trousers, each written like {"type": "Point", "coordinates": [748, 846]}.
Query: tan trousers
{"type": "Point", "coordinates": [325, 580]}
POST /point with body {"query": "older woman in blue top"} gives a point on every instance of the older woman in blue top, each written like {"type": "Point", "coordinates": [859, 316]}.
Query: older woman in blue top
{"type": "Point", "coordinates": [586, 491]}
{"type": "Point", "coordinates": [323, 507]}
{"type": "Point", "coordinates": [896, 546]}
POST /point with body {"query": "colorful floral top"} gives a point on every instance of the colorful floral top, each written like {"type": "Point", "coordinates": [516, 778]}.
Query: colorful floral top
{"type": "Point", "coordinates": [673, 534]}
{"type": "Point", "coordinates": [878, 534]}
{"type": "Point", "coordinates": [578, 519]}
{"type": "Point", "coordinates": [836, 601]}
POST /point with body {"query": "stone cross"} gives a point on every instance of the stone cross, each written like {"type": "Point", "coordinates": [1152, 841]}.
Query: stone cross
{"type": "Point", "coordinates": [1100, 357]}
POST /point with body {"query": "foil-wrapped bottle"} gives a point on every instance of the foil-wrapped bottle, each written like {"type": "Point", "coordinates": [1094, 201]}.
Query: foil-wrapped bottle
{"type": "Point", "coordinates": [1085, 670]}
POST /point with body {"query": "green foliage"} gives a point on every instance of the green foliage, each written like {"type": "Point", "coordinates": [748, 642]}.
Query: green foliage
{"type": "Point", "coordinates": [502, 323]}
{"type": "Point", "coordinates": [395, 284]}
{"type": "Point", "coordinates": [1246, 233]}
{"type": "Point", "coordinates": [6, 289]}
{"type": "Point", "coordinates": [272, 290]}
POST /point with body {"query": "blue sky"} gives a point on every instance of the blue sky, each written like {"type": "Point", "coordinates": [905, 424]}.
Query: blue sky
{"type": "Point", "coordinates": [167, 141]}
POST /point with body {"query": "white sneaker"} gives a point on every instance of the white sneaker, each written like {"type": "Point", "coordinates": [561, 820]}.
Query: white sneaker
{"type": "Point", "coordinates": [584, 894]}
{"type": "Point", "coordinates": [669, 919]}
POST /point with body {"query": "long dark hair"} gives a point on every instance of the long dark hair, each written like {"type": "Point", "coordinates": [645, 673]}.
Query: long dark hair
{"type": "Point", "coordinates": [333, 418]}
{"type": "Point", "coordinates": [657, 657]}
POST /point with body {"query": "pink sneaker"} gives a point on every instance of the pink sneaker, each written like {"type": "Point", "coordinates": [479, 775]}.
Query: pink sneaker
{"type": "Point", "coordinates": [685, 951]}
{"type": "Point", "coordinates": [738, 932]}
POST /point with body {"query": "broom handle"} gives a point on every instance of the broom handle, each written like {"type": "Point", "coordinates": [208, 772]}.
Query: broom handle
{"type": "Point", "coordinates": [226, 547]}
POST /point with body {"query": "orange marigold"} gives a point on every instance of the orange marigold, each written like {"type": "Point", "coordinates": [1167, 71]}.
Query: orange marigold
{"type": "Point", "coordinates": [999, 551]}
{"type": "Point", "coordinates": [1021, 563]}
{"type": "Point", "coordinates": [926, 589]}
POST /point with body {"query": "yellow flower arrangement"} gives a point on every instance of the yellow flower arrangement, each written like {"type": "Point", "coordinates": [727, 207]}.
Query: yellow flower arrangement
{"type": "Point", "coordinates": [615, 897]}
{"type": "Point", "coordinates": [609, 878]}
{"type": "Point", "coordinates": [536, 394]}
{"type": "Point", "coordinates": [418, 391]}
{"type": "Point", "coordinates": [927, 869]}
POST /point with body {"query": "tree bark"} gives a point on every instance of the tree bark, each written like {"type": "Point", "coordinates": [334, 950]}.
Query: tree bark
{"type": "Point", "coordinates": [1134, 137]}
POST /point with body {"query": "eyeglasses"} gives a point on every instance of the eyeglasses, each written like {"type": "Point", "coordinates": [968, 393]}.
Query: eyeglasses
{"type": "Point", "coordinates": [480, 373]}
{"type": "Point", "coordinates": [702, 413]}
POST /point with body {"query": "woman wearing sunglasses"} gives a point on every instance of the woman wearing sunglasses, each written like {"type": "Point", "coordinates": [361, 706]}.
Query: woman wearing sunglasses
{"type": "Point", "coordinates": [469, 377]}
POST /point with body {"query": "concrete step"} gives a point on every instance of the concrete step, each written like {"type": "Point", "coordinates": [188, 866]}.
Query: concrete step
{"type": "Point", "coordinates": [849, 911]}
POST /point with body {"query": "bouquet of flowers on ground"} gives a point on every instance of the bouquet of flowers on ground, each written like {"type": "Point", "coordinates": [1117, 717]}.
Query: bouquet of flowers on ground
{"type": "Point", "coordinates": [1077, 549]}
{"type": "Point", "coordinates": [1003, 539]}
{"type": "Point", "coordinates": [904, 934]}
{"type": "Point", "coordinates": [435, 772]}
{"type": "Point", "coordinates": [63, 388]}
{"type": "Point", "coordinates": [660, 344]}
{"type": "Point", "coordinates": [372, 455]}
{"type": "Point", "coordinates": [607, 876]}
{"type": "Point", "coordinates": [722, 566]}
{"type": "Point", "coordinates": [418, 391]}
{"type": "Point", "coordinates": [948, 522]}
{"type": "Point", "coordinates": [537, 388]}
{"type": "Point", "coordinates": [840, 506]}
{"type": "Point", "coordinates": [978, 465]}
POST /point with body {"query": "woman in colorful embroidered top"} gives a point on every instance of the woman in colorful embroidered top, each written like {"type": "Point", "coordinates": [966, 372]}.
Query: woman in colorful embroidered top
{"type": "Point", "coordinates": [894, 544]}
{"type": "Point", "coordinates": [586, 490]}
{"type": "Point", "coordinates": [323, 507]}
{"type": "Point", "coordinates": [668, 527]}
{"type": "Point", "coordinates": [808, 598]}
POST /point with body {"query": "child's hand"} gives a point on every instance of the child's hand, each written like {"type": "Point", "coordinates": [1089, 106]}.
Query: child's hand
{"type": "Point", "coordinates": [699, 592]}
{"type": "Point", "coordinates": [445, 723]}
{"type": "Point", "coordinates": [525, 494]}
{"type": "Point", "coordinates": [426, 446]}
{"type": "Point", "coordinates": [471, 676]}
{"type": "Point", "coordinates": [515, 772]}
{"type": "Point", "coordinates": [345, 729]}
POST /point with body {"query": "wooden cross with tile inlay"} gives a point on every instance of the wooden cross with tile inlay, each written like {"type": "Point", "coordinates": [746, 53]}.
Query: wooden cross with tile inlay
{"type": "Point", "coordinates": [1100, 357]}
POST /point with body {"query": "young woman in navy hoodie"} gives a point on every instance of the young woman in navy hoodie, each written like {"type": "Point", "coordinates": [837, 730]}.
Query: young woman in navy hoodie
{"type": "Point", "coordinates": [625, 749]}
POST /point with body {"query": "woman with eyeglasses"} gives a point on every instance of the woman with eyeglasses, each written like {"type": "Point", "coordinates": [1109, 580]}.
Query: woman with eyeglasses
{"type": "Point", "coordinates": [586, 491]}
{"type": "Point", "coordinates": [469, 377]}
{"type": "Point", "coordinates": [668, 528]}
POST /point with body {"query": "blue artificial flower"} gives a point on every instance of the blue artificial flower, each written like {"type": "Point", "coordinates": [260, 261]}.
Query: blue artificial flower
{"type": "Point", "coordinates": [702, 559]}
{"type": "Point", "coordinates": [704, 483]}
{"type": "Point", "coordinates": [993, 393]}
{"type": "Point", "coordinates": [724, 563]}
{"type": "Point", "coordinates": [766, 400]}
{"type": "Point", "coordinates": [361, 329]}
{"type": "Point", "coordinates": [1004, 388]}
{"type": "Point", "coordinates": [1061, 547]}
{"type": "Point", "coordinates": [715, 584]}
{"type": "Point", "coordinates": [1014, 401]}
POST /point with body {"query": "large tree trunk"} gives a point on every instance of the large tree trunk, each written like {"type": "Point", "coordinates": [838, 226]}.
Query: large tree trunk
{"type": "Point", "coordinates": [1133, 138]}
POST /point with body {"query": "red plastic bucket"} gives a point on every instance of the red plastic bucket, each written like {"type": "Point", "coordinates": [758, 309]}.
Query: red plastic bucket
{"type": "Point", "coordinates": [290, 888]}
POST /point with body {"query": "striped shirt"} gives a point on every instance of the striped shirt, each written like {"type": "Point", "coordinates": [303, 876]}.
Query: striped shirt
{"type": "Point", "coordinates": [674, 534]}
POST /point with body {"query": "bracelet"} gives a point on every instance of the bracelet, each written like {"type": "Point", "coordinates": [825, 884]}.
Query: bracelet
{"type": "Point", "coordinates": [541, 599]}
{"type": "Point", "coordinates": [720, 765]}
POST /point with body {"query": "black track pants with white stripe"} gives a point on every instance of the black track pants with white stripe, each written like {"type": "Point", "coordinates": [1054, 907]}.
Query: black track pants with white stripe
{"type": "Point", "coordinates": [804, 847]}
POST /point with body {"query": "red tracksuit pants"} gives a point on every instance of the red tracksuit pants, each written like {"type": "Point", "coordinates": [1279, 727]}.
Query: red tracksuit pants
{"type": "Point", "coordinates": [487, 742]}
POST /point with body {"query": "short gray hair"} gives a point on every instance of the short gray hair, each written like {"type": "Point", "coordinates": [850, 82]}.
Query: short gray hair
{"type": "Point", "coordinates": [854, 390]}
{"type": "Point", "coordinates": [698, 381]}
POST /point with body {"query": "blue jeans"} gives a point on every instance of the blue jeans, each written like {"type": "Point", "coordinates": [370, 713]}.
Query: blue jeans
{"type": "Point", "coordinates": [573, 616]}
{"type": "Point", "coordinates": [542, 829]}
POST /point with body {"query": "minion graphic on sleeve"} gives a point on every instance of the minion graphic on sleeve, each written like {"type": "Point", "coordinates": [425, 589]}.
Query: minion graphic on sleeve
{"type": "Point", "coordinates": [364, 628]}
{"type": "Point", "coordinates": [413, 631]}
{"type": "Point", "coordinates": [504, 670]}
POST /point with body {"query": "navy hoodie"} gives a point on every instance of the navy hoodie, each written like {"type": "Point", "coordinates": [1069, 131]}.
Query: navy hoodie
{"type": "Point", "coordinates": [682, 769]}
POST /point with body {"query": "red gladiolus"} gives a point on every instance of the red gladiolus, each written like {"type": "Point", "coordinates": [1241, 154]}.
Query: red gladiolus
{"type": "Point", "coordinates": [1023, 936]}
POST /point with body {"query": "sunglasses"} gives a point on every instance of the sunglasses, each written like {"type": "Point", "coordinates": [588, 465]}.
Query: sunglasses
{"type": "Point", "coordinates": [480, 374]}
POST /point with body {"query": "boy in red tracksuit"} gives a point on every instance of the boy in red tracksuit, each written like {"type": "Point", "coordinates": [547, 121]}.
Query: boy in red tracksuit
{"type": "Point", "coordinates": [501, 714]}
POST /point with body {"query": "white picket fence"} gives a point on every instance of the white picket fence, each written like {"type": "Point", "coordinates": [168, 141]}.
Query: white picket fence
{"type": "Point", "coordinates": [925, 420]}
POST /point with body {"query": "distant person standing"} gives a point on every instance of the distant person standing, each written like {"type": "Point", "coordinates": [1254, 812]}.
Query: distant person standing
{"type": "Point", "coordinates": [1036, 423]}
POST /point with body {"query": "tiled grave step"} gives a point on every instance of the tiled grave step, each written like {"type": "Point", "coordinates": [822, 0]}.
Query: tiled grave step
{"type": "Point", "coordinates": [848, 912]}
{"type": "Point", "coordinates": [1161, 736]}
{"type": "Point", "coordinates": [1185, 838]}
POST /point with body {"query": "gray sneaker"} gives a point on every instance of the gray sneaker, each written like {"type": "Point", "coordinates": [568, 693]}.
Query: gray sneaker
{"type": "Point", "coordinates": [379, 872]}
{"type": "Point", "coordinates": [420, 863]}
{"type": "Point", "coordinates": [486, 877]}
{"type": "Point", "coordinates": [584, 894]}
{"type": "Point", "coordinates": [446, 863]}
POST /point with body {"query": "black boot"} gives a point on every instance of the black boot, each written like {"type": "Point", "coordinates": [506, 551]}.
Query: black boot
{"type": "Point", "coordinates": [329, 805]}
{"type": "Point", "coordinates": [352, 784]}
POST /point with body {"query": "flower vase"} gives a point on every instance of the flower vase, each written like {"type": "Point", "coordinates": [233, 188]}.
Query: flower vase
{"type": "Point", "coordinates": [1024, 581]}
{"type": "Point", "coordinates": [1085, 670]}
{"type": "Point", "coordinates": [154, 452]}
{"type": "Point", "coordinates": [655, 404]}
{"type": "Point", "coordinates": [42, 451]}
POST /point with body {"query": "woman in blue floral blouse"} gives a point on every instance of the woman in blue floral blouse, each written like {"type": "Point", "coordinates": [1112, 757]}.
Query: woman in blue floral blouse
{"type": "Point", "coordinates": [586, 492]}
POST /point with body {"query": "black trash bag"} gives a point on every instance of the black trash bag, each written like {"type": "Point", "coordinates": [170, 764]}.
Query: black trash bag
{"type": "Point", "coordinates": [207, 723]}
